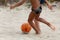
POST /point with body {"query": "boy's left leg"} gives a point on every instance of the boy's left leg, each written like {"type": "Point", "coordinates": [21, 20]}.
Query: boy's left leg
{"type": "Point", "coordinates": [37, 24]}
{"type": "Point", "coordinates": [30, 21]}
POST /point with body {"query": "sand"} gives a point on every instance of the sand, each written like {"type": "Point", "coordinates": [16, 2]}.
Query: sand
{"type": "Point", "coordinates": [11, 21]}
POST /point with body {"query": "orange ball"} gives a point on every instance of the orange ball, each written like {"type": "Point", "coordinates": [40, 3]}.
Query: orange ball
{"type": "Point", "coordinates": [26, 28]}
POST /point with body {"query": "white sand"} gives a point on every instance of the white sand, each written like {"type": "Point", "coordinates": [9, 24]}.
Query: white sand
{"type": "Point", "coordinates": [11, 20]}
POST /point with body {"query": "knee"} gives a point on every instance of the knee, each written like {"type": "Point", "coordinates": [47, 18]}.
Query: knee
{"type": "Point", "coordinates": [36, 19]}
{"type": "Point", "coordinates": [29, 20]}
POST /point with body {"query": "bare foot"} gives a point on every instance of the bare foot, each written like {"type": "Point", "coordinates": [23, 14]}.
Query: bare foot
{"type": "Point", "coordinates": [52, 27]}
{"type": "Point", "coordinates": [38, 32]}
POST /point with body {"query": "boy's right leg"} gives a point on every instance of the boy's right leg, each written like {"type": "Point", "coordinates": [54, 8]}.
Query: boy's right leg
{"type": "Point", "coordinates": [47, 23]}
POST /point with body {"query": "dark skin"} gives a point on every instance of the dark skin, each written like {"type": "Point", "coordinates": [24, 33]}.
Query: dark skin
{"type": "Point", "coordinates": [35, 17]}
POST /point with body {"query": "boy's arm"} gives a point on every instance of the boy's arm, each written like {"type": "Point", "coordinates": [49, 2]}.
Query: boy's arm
{"type": "Point", "coordinates": [49, 6]}
{"type": "Point", "coordinates": [46, 2]}
{"type": "Point", "coordinates": [17, 4]}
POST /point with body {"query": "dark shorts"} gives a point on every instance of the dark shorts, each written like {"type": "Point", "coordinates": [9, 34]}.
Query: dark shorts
{"type": "Point", "coordinates": [37, 11]}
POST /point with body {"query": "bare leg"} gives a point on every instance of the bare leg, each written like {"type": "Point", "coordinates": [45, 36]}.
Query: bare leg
{"type": "Point", "coordinates": [47, 23]}
{"type": "Point", "coordinates": [33, 16]}
{"type": "Point", "coordinates": [30, 20]}
{"type": "Point", "coordinates": [37, 24]}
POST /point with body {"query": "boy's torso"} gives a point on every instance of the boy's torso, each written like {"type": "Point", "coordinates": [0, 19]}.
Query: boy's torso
{"type": "Point", "coordinates": [36, 3]}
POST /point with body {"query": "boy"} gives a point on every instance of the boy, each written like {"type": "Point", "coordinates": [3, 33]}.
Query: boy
{"type": "Point", "coordinates": [35, 13]}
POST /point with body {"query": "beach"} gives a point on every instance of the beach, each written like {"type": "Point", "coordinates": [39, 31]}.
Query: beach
{"type": "Point", "coordinates": [11, 21]}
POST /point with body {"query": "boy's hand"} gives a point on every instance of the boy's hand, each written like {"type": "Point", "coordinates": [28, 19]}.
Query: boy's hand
{"type": "Point", "coordinates": [50, 7]}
